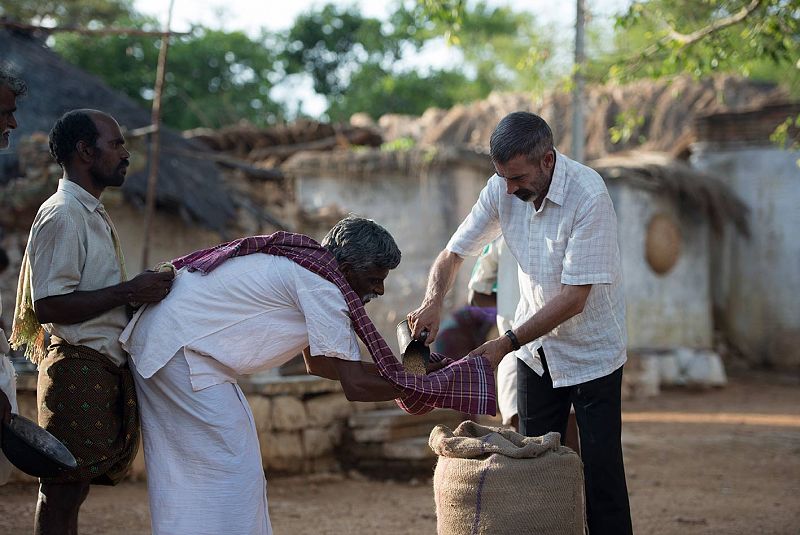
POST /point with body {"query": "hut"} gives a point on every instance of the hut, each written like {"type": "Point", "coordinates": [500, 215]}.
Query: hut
{"type": "Point", "coordinates": [197, 205]}
{"type": "Point", "coordinates": [757, 280]}
{"type": "Point", "coordinates": [669, 216]}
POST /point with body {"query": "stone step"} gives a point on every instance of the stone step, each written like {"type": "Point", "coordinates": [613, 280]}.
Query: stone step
{"type": "Point", "coordinates": [394, 424]}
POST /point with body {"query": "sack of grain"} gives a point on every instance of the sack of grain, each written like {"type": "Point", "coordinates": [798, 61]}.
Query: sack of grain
{"type": "Point", "coordinates": [493, 481]}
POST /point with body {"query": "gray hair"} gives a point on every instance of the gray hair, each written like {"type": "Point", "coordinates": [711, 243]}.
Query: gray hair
{"type": "Point", "coordinates": [14, 83]}
{"type": "Point", "coordinates": [520, 133]}
{"type": "Point", "coordinates": [363, 244]}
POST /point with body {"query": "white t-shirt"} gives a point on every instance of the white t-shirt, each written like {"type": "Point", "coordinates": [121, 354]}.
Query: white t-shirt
{"type": "Point", "coordinates": [251, 314]}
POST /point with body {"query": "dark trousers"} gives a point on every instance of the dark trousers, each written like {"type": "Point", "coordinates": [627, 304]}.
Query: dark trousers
{"type": "Point", "coordinates": [598, 410]}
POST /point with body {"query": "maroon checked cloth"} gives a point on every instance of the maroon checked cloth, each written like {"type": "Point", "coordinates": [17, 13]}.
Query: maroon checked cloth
{"type": "Point", "coordinates": [465, 385]}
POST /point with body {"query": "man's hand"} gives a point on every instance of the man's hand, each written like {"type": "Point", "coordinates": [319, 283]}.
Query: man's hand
{"type": "Point", "coordinates": [426, 318]}
{"type": "Point", "coordinates": [149, 287]}
{"type": "Point", "coordinates": [493, 350]}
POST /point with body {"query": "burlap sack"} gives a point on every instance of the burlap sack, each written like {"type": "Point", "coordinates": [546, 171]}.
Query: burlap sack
{"type": "Point", "coordinates": [494, 481]}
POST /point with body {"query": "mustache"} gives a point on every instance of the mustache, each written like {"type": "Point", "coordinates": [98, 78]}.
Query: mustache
{"type": "Point", "coordinates": [523, 194]}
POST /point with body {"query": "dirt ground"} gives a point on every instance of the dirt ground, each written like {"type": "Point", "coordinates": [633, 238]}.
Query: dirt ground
{"type": "Point", "coordinates": [723, 461]}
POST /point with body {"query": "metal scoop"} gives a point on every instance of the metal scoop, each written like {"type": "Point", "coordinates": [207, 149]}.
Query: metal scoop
{"type": "Point", "coordinates": [414, 354]}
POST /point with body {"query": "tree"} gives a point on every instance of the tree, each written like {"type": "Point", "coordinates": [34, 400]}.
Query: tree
{"type": "Point", "coordinates": [67, 12]}
{"type": "Point", "coordinates": [377, 91]}
{"type": "Point", "coordinates": [353, 60]}
{"type": "Point", "coordinates": [214, 78]}
{"type": "Point", "coordinates": [755, 38]}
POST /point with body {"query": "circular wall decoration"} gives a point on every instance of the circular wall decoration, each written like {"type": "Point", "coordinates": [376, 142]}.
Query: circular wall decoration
{"type": "Point", "coordinates": [662, 243]}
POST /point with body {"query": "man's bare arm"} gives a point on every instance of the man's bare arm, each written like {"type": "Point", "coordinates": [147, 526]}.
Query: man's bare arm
{"type": "Point", "coordinates": [80, 306]}
{"type": "Point", "coordinates": [320, 366]}
{"type": "Point", "coordinates": [568, 303]}
{"type": "Point", "coordinates": [441, 279]}
{"type": "Point", "coordinates": [360, 380]}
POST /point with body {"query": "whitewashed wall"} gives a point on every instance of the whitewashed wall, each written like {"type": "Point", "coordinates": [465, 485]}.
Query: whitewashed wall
{"type": "Point", "coordinates": [670, 310]}
{"type": "Point", "coordinates": [421, 211]}
{"type": "Point", "coordinates": [757, 280]}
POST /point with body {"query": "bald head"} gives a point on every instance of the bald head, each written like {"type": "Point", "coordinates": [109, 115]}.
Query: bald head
{"type": "Point", "coordinates": [72, 127]}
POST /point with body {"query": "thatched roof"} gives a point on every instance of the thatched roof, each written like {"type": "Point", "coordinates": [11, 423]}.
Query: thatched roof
{"type": "Point", "coordinates": [377, 163]}
{"type": "Point", "coordinates": [189, 186]}
{"type": "Point", "coordinates": [692, 190]}
{"type": "Point", "coordinates": [655, 115]}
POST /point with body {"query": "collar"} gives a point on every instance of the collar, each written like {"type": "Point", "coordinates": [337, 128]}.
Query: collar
{"type": "Point", "coordinates": [558, 184]}
{"type": "Point", "coordinates": [84, 197]}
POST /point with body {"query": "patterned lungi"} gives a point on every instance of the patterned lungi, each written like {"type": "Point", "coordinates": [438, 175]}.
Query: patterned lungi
{"type": "Point", "coordinates": [89, 404]}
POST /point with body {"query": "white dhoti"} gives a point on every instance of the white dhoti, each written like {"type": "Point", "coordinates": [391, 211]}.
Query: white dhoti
{"type": "Point", "coordinates": [204, 470]}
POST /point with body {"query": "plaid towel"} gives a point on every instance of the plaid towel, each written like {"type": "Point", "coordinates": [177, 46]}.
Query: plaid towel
{"type": "Point", "coordinates": [465, 385]}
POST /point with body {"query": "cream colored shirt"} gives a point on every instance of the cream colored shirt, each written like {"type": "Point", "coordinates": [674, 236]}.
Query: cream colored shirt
{"type": "Point", "coordinates": [250, 314]}
{"type": "Point", "coordinates": [572, 239]}
{"type": "Point", "coordinates": [70, 249]}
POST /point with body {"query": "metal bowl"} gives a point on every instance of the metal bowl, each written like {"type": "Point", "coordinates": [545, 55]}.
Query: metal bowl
{"type": "Point", "coordinates": [33, 450]}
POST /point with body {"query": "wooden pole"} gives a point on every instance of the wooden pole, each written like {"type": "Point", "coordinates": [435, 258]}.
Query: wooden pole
{"type": "Point", "coordinates": [155, 142]}
{"type": "Point", "coordinates": [579, 81]}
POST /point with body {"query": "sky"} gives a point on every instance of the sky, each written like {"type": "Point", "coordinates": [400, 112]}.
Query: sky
{"type": "Point", "coordinates": [253, 15]}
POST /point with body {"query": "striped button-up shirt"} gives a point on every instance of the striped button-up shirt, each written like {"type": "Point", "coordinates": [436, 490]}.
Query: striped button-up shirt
{"type": "Point", "coordinates": [571, 239]}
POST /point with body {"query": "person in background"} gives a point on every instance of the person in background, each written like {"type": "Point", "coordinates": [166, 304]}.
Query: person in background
{"type": "Point", "coordinates": [494, 283]}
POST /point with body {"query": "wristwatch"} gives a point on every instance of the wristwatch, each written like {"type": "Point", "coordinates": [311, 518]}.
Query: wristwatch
{"type": "Point", "coordinates": [513, 337]}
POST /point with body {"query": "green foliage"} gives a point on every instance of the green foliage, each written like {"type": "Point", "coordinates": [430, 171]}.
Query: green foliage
{"type": "Point", "coordinates": [506, 49]}
{"type": "Point", "coordinates": [785, 134]}
{"type": "Point", "coordinates": [400, 144]}
{"type": "Point", "coordinates": [66, 12]}
{"type": "Point", "coordinates": [625, 124]}
{"type": "Point", "coordinates": [377, 91]}
{"type": "Point", "coordinates": [754, 38]}
{"type": "Point", "coordinates": [330, 43]}
{"type": "Point", "coordinates": [214, 78]}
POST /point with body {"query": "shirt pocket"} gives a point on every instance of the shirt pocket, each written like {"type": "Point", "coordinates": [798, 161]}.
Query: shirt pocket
{"type": "Point", "coordinates": [553, 261]}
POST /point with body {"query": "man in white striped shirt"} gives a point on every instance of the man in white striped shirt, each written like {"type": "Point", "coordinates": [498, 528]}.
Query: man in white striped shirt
{"type": "Point", "coordinates": [558, 221]}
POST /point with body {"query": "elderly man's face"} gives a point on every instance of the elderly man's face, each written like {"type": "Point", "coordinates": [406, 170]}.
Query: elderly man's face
{"type": "Point", "coordinates": [8, 105]}
{"type": "Point", "coordinates": [366, 284]}
{"type": "Point", "coordinates": [526, 180]}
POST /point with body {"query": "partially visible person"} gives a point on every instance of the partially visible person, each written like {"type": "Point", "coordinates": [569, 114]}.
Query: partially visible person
{"type": "Point", "coordinates": [73, 287]}
{"type": "Point", "coordinates": [241, 315]}
{"type": "Point", "coordinates": [464, 330]}
{"type": "Point", "coordinates": [495, 282]}
{"type": "Point", "coordinates": [11, 87]}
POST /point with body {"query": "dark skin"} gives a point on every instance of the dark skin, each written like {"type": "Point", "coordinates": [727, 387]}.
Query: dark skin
{"type": "Point", "coordinates": [360, 380]}
{"type": "Point", "coordinates": [92, 167]}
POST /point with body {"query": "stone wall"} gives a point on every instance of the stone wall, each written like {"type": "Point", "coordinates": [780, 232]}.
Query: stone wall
{"type": "Point", "coordinates": [300, 421]}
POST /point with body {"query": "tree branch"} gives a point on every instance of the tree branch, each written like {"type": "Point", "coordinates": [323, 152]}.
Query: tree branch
{"type": "Point", "coordinates": [691, 38]}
